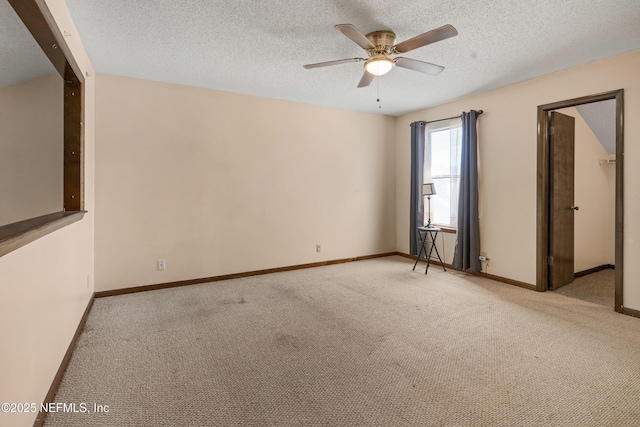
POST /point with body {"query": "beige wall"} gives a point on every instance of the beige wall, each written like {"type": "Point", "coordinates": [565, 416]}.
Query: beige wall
{"type": "Point", "coordinates": [31, 143]}
{"type": "Point", "coordinates": [45, 285]}
{"type": "Point", "coordinates": [594, 225]}
{"type": "Point", "coordinates": [217, 183]}
{"type": "Point", "coordinates": [507, 149]}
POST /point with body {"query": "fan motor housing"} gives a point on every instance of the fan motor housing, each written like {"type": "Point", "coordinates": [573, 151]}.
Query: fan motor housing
{"type": "Point", "coordinates": [382, 38]}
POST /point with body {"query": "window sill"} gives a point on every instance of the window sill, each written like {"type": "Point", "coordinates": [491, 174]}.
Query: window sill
{"type": "Point", "coordinates": [446, 228]}
{"type": "Point", "coordinates": [18, 234]}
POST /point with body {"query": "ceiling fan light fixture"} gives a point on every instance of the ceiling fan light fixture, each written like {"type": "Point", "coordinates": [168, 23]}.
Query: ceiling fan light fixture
{"type": "Point", "coordinates": [378, 65]}
{"type": "Point", "coordinates": [380, 44]}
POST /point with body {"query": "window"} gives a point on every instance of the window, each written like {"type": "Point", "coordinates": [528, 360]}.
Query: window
{"type": "Point", "coordinates": [442, 167]}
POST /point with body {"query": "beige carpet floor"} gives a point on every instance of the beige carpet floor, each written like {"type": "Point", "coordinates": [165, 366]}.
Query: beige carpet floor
{"type": "Point", "coordinates": [367, 343]}
{"type": "Point", "coordinates": [598, 288]}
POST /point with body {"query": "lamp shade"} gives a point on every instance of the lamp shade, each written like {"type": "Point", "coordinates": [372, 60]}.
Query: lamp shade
{"type": "Point", "coordinates": [428, 189]}
{"type": "Point", "coordinates": [378, 65]}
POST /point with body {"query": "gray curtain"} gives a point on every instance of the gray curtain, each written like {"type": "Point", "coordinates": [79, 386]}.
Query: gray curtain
{"type": "Point", "coordinates": [416, 217]}
{"type": "Point", "coordinates": [467, 251]}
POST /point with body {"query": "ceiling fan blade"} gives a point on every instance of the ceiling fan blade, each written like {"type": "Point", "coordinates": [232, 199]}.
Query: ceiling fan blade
{"type": "Point", "coordinates": [423, 67]}
{"type": "Point", "coordinates": [366, 79]}
{"type": "Point", "coordinates": [354, 34]}
{"type": "Point", "coordinates": [328, 63]}
{"type": "Point", "coordinates": [424, 39]}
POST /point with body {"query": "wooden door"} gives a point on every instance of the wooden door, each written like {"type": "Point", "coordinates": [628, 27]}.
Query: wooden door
{"type": "Point", "coordinates": [561, 208]}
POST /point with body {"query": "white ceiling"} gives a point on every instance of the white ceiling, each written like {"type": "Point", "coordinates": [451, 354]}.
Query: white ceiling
{"type": "Point", "coordinates": [258, 47]}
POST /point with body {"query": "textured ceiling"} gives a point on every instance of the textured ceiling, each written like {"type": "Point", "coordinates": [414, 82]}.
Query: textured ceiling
{"type": "Point", "coordinates": [21, 58]}
{"type": "Point", "coordinates": [259, 47]}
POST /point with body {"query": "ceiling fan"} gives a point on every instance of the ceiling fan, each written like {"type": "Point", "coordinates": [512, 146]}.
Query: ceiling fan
{"type": "Point", "coordinates": [380, 44]}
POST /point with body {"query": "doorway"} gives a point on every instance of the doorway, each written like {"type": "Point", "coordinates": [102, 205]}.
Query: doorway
{"type": "Point", "coordinates": [550, 238]}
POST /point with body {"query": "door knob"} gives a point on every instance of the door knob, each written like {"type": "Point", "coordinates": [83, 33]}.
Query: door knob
{"type": "Point", "coordinates": [575, 208]}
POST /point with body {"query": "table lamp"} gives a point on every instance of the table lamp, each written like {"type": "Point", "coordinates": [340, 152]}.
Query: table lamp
{"type": "Point", "coordinates": [429, 190]}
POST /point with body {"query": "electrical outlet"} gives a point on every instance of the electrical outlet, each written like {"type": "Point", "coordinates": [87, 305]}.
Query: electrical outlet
{"type": "Point", "coordinates": [318, 248]}
{"type": "Point", "coordinates": [161, 265]}
{"type": "Point", "coordinates": [483, 258]}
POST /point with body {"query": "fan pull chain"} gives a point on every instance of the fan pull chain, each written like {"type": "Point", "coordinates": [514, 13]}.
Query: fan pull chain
{"type": "Point", "coordinates": [378, 89]}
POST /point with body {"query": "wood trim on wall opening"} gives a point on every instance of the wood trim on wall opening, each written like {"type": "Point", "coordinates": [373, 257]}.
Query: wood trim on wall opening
{"type": "Point", "coordinates": [13, 236]}
{"type": "Point", "coordinates": [18, 234]}
{"type": "Point", "coordinates": [542, 198]}
{"type": "Point", "coordinates": [73, 142]}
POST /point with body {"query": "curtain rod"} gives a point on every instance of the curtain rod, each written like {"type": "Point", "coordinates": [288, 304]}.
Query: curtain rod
{"type": "Point", "coordinates": [449, 118]}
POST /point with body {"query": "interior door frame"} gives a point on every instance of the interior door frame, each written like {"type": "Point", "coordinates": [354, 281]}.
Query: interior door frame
{"type": "Point", "coordinates": [542, 198]}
